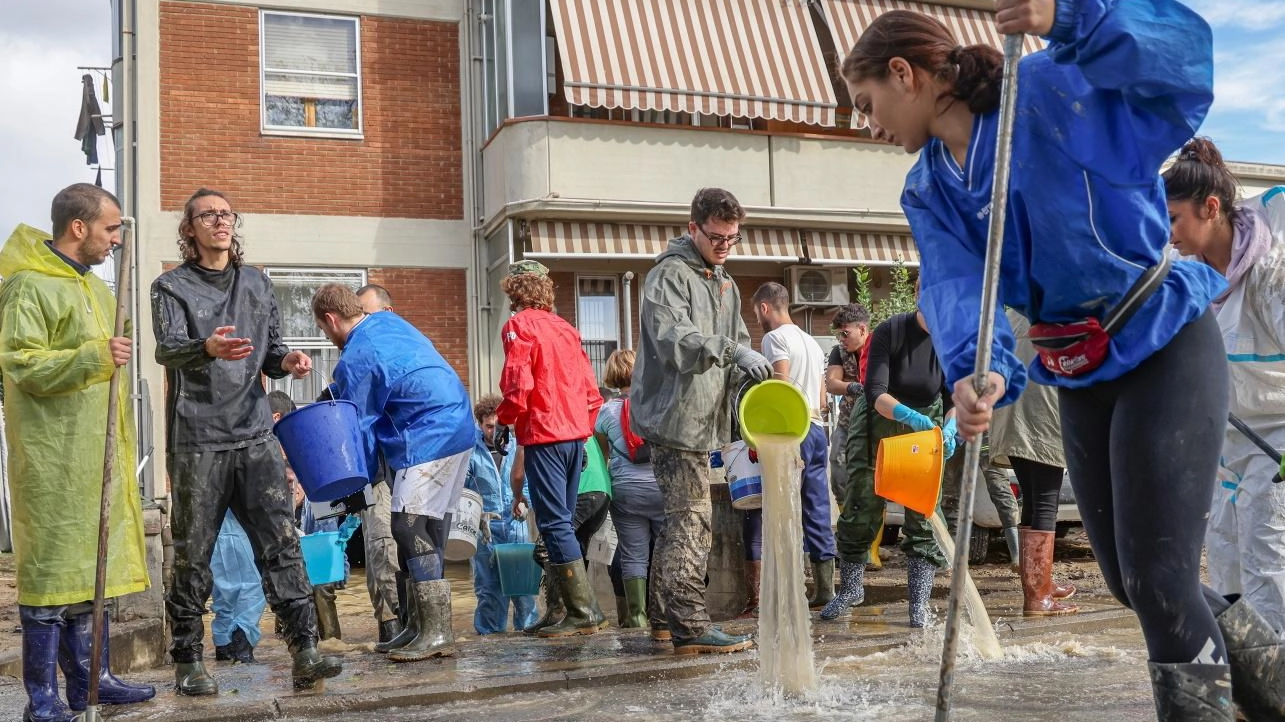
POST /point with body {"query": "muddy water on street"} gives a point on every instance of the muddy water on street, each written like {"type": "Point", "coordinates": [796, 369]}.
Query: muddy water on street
{"type": "Point", "coordinates": [1092, 677]}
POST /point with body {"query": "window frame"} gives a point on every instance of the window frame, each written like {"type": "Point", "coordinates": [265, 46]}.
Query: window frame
{"type": "Point", "coordinates": [617, 290]}
{"type": "Point", "coordinates": [265, 127]}
{"type": "Point", "coordinates": [314, 346]}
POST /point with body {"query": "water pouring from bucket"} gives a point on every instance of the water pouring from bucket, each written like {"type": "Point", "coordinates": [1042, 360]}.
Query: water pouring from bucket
{"type": "Point", "coordinates": [774, 419]}
{"type": "Point", "coordinates": [908, 471]}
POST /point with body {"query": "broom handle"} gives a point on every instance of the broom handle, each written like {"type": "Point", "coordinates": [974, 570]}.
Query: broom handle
{"type": "Point", "coordinates": [981, 366]}
{"type": "Point", "coordinates": [123, 277]}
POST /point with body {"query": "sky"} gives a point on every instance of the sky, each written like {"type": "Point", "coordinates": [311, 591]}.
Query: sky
{"type": "Point", "coordinates": [43, 41]}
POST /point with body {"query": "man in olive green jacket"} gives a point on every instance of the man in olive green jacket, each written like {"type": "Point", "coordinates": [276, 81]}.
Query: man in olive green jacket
{"type": "Point", "coordinates": [692, 340]}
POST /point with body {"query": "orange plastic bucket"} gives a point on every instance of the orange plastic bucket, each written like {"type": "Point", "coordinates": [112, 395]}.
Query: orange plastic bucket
{"type": "Point", "coordinates": [908, 469]}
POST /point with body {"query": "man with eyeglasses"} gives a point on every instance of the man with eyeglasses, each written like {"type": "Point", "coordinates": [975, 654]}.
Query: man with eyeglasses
{"type": "Point", "coordinates": [845, 374]}
{"type": "Point", "coordinates": [217, 334]}
{"type": "Point", "coordinates": [693, 340]}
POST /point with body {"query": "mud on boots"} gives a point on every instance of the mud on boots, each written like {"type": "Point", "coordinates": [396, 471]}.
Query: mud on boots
{"type": "Point", "coordinates": [823, 584]}
{"type": "Point", "coordinates": [432, 600]}
{"type": "Point", "coordinates": [1039, 596]}
{"type": "Point", "coordinates": [74, 651]}
{"type": "Point", "coordinates": [713, 641]}
{"type": "Point", "coordinates": [582, 613]}
{"type": "Point", "coordinates": [410, 622]}
{"type": "Point", "coordinates": [1256, 655]}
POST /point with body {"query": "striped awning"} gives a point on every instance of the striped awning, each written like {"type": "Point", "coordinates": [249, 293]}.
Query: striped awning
{"type": "Point", "coordinates": [848, 18]}
{"type": "Point", "coordinates": [743, 58]}
{"type": "Point", "coordinates": [874, 249]}
{"type": "Point", "coordinates": [574, 239]}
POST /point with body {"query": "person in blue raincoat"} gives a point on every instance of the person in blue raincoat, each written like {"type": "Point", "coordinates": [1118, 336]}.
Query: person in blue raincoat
{"type": "Point", "coordinates": [491, 480]}
{"type": "Point", "coordinates": [1125, 335]}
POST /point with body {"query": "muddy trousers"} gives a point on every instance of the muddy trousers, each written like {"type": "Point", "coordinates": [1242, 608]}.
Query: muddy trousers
{"type": "Point", "coordinates": [862, 514]}
{"type": "Point", "coordinates": [682, 551]}
{"type": "Point", "coordinates": [1142, 451]}
{"type": "Point", "coordinates": [381, 554]}
{"type": "Point", "coordinates": [251, 482]}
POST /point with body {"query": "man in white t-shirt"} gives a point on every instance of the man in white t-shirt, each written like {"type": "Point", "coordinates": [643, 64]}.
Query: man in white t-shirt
{"type": "Point", "coordinates": [797, 357]}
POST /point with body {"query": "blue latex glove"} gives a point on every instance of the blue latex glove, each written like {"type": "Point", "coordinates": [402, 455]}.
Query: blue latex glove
{"type": "Point", "coordinates": [348, 528]}
{"type": "Point", "coordinates": [950, 436]}
{"type": "Point", "coordinates": [912, 418]}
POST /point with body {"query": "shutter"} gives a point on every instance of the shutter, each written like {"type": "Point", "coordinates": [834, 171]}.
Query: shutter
{"type": "Point", "coordinates": [309, 57]}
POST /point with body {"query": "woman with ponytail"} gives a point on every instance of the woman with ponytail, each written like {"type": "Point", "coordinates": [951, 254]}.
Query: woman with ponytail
{"type": "Point", "coordinates": [1245, 242]}
{"type": "Point", "coordinates": [1125, 336]}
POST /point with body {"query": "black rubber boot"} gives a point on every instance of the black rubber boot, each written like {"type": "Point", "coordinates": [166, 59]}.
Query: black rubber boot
{"type": "Point", "coordinates": [852, 590]}
{"type": "Point", "coordinates": [583, 615]}
{"type": "Point", "coordinates": [410, 626]}
{"type": "Point", "coordinates": [554, 611]}
{"type": "Point", "coordinates": [436, 638]}
{"type": "Point", "coordinates": [1192, 692]}
{"type": "Point", "coordinates": [823, 581]}
{"type": "Point", "coordinates": [919, 587]}
{"type": "Point", "coordinates": [74, 653]}
{"type": "Point", "coordinates": [40, 672]}
{"type": "Point", "coordinates": [389, 630]}
{"type": "Point", "coordinates": [309, 667]}
{"type": "Point", "coordinates": [192, 680]}
{"type": "Point", "coordinates": [1257, 660]}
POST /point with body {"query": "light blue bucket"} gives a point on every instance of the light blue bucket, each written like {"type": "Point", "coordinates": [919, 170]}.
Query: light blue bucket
{"type": "Point", "coordinates": [322, 557]}
{"type": "Point", "coordinates": [324, 444]}
{"type": "Point", "coordinates": [519, 574]}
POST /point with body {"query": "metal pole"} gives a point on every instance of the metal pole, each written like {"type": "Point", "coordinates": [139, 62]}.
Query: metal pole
{"type": "Point", "coordinates": [628, 300]}
{"type": "Point", "coordinates": [981, 365]}
{"type": "Point", "coordinates": [123, 276]}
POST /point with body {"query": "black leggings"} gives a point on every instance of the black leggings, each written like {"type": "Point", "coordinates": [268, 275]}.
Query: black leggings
{"type": "Point", "coordinates": [1040, 485]}
{"type": "Point", "coordinates": [417, 537]}
{"type": "Point", "coordinates": [1143, 455]}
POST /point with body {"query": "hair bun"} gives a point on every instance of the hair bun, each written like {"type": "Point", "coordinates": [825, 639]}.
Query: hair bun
{"type": "Point", "coordinates": [1201, 150]}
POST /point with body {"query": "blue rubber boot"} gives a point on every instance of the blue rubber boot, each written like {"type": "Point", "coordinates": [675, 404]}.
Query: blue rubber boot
{"type": "Point", "coordinates": [40, 670]}
{"type": "Point", "coordinates": [73, 656]}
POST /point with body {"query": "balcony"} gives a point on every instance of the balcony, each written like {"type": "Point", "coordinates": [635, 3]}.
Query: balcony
{"type": "Point", "coordinates": [570, 169]}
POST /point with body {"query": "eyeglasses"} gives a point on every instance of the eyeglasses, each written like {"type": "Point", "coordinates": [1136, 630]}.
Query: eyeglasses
{"type": "Point", "coordinates": [210, 219]}
{"type": "Point", "coordinates": [721, 240]}
{"type": "Point", "coordinates": [846, 333]}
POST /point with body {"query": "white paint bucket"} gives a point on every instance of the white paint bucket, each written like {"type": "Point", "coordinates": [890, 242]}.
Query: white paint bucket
{"type": "Point", "coordinates": [465, 522]}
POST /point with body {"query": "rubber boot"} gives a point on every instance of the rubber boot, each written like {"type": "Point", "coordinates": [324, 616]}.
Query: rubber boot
{"type": "Point", "coordinates": [388, 630]}
{"type": "Point", "coordinates": [852, 590]}
{"type": "Point", "coordinates": [192, 680]}
{"type": "Point", "coordinates": [622, 611]}
{"type": "Point", "coordinates": [753, 576]}
{"type": "Point", "coordinates": [1014, 548]}
{"type": "Point", "coordinates": [1192, 692]}
{"type": "Point", "coordinates": [713, 641]}
{"type": "Point", "coordinates": [327, 614]}
{"type": "Point", "coordinates": [636, 603]}
{"type": "Point", "coordinates": [554, 611]}
{"type": "Point", "coordinates": [40, 672]}
{"type": "Point", "coordinates": [436, 637]}
{"type": "Point", "coordinates": [74, 654]}
{"type": "Point", "coordinates": [309, 667]}
{"type": "Point", "coordinates": [237, 650]}
{"type": "Point", "coordinates": [919, 587]}
{"type": "Point", "coordinates": [583, 615]}
{"type": "Point", "coordinates": [823, 578]}
{"type": "Point", "coordinates": [410, 627]}
{"type": "Point", "coordinates": [1037, 576]}
{"type": "Point", "coordinates": [1060, 591]}
{"type": "Point", "coordinates": [1257, 660]}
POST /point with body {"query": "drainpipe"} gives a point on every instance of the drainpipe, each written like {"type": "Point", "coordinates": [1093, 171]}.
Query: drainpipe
{"type": "Point", "coordinates": [629, 316]}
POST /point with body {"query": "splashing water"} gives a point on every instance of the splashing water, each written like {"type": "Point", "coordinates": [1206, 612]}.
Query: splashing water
{"type": "Point", "coordinates": [785, 633]}
{"type": "Point", "coordinates": [983, 636]}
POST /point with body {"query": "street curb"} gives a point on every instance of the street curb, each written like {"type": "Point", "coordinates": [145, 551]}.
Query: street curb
{"type": "Point", "coordinates": [134, 646]}
{"type": "Point", "coordinates": [664, 667]}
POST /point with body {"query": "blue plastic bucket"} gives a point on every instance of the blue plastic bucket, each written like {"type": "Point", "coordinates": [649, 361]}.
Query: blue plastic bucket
{"type": "Point", "coordinates": [519, 574]}
{"type": "Point", "coordinates": [324, 444]}
{"type": "Point", "coordinates": [322, 557]}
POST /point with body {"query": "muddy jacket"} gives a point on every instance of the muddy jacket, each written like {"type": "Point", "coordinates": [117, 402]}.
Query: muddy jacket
{"type": "Point", "coordinates": [54, 329]}
{"type": "Point", "coordinates": [691, 324]}
{"type": "Point", "coordinates": [210, 404]}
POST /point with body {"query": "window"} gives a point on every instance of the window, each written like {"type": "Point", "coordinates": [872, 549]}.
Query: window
{"type": "Point", "coordinates": [294, 288]}
{"type": "Point", "coordinates": [311, 73]}
{"type": "Point", "coordinates": [598, 315]}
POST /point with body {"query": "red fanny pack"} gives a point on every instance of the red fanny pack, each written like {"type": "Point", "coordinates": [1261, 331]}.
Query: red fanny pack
{"type": "Point", "coordinates": [1071, 349]}
{"type": "Point", "coordinates": [1074, 349]}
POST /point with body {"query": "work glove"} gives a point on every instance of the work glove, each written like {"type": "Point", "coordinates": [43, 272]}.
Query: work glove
{"type": "Point", "coordinates": [912, 418]}
{"type": "Point", "coordinates": [752, 363]}
{"type": "Point", "coordinates": [502, 435]}
{"type": "Point", "coordinates": [856, 389]}
{"type": "Point", "coordinates": [351, 504]}
{"type": "Point", "coordinates": [950, 437]}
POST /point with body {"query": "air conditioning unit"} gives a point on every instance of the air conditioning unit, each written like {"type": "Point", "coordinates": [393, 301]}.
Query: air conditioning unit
{"type": "Point", "coordinates": [818, 285]}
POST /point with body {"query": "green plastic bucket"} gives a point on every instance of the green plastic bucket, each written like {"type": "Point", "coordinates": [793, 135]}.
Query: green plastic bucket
{"type": "Point", "coordinates": [776, 408]}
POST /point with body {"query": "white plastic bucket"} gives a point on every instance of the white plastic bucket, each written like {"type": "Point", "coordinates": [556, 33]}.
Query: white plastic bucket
{"type": "Point", "coordinates": [602, 545]}
{"type": "Point", "coordinates": [462, 542]}
{"type": "Point", "coordinates": [744, 477]}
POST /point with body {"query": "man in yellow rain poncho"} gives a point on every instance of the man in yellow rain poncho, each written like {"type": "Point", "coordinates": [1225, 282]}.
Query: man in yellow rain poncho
{"type": "Point", "coordinates": [57, 355]}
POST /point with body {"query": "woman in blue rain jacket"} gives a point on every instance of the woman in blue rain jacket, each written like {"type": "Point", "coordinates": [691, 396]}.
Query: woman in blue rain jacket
{"type": "Point", "coordinates": [1126, 337]}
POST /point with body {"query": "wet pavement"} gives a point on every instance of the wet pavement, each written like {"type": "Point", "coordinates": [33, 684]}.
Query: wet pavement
{"type": "Point", "coordinates": [1078, 667]}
